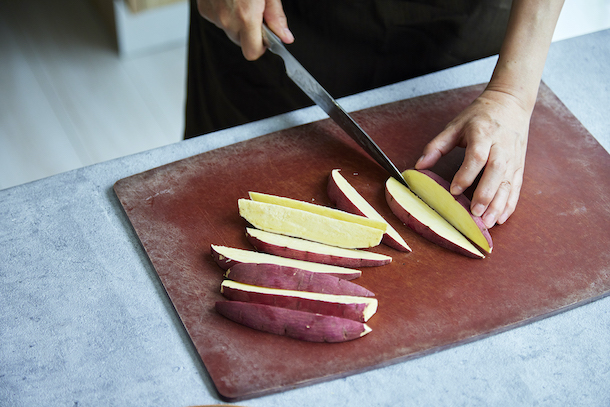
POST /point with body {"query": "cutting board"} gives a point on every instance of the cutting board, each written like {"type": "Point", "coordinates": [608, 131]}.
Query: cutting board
{"type": "Point", "coordinates": [552, 254]}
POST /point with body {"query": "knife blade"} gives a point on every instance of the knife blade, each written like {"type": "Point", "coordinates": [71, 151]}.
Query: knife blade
{"type": "Point", "coordinates": [324, 100]}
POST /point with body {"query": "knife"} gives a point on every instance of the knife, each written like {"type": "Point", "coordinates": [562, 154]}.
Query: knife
{"type": "Point", "coordinates": [323, 99]}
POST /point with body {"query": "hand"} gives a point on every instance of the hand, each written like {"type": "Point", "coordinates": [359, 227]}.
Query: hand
{"type": "Point", "coordinates": [242, 21]}
{"type": "Point", "coordinates": [494, 131]}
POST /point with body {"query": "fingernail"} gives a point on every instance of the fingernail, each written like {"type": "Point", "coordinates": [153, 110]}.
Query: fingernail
{"type": "Point", "coordinates": [420, 159]}
{"type": "Point", "coordinates": [489, 220]}
{"type": "Point", "coordinates": [478, 210]}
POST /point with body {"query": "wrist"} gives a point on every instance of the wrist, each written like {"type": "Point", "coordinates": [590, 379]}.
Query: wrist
{"type": "Point", "coordinates": [524, 96]}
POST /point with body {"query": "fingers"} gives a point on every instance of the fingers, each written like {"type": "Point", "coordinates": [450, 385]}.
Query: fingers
{"type": "Point", "coordinates": [476, 158]}
{"type": "Point", "coordinates": [438, 147]}
{"type": "Point", "coordinates": [491, 209]}
{"type": "Point", "coordinates": [497, 193]}
{"type": "Point", "coordinates": [251, 36]}
{"type": "Point", "coordinates": [276, 20]}
{"type": "Point", "coordinates": [503, 204]}
{"type": "Point", "coordinates": [513, 198]}
{"type": "Point", "coordinates": [242, 21]}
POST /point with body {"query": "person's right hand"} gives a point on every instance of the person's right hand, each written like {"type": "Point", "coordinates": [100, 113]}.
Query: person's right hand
{"type": "Point", "coordinates": [242, 21]}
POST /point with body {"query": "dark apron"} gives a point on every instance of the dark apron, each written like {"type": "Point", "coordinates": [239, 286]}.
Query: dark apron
{"type": "Point", "coordinates": [349, 46]}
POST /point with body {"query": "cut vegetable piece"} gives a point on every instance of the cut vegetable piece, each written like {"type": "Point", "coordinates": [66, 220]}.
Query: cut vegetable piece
{"type": "Point", "coordinates": [290, 278]}
{"type": "Point", "coordinates": [318, 209]}
{"type": "Point", "coordinates": [445, 204]}
{"type": "Point", "coordinates": [227, 257]}
{"type": "Point", "coordinates": [294, 324]}
{"type": "Point", "coordinates": [417, 215]}
{"type": "Point", "coordinates": [343, 306]}
{"type": "Point", "coordinates": [345, 197]}
{"type": "Point", "coordinates": [465, 202]}
{"type": "Point", "coordinates": [308, 225]}
{"type": "Point", "coordinates": [299, 249]}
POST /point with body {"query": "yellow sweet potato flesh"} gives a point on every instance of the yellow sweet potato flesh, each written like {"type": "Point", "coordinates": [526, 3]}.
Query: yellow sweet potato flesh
{"type": "Point", "coordinates": [419, 216]}
{"type": "Point", "coordinates": [445, 204]}
{"type": "Point", "coordinates": [309, 225]}
{"type": "Point", "coordinates": [318, 209]}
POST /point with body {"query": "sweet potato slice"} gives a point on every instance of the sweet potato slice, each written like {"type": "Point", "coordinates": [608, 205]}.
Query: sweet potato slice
{"type": "Point", "coordinates": [343, 306]}
{"type": "Point", "coordinates": [345, 197]}
{"type": "Point", "coordinates": [290, 278]}
{"type": "Point", "coordinates": [465, 202]}
{"type": "Point", "coordinates": [300, 249]}
{"type": "Point", "coordinates": [309, 225]}
{"type": "Point", "coordinates": [317, 209]}
{"type": "Point", "coordinates": [441, 200]}
{"type": "Point", "coordinates": [420, 217]}
{"type": "Point", "coordinates": [227, 257]}
{"type": "Point", "coordinates": [292, 323]}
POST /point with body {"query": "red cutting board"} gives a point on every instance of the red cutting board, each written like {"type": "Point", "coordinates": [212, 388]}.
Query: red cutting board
{"type": "Point", "coordinates": [551, 255]}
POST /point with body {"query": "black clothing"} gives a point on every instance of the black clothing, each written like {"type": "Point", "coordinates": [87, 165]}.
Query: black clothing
{"type": "Point", "coordinates": [349, 46]}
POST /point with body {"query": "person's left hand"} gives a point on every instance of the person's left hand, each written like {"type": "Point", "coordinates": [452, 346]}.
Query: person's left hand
{"type": "Point", "coordinates": [494, 131]}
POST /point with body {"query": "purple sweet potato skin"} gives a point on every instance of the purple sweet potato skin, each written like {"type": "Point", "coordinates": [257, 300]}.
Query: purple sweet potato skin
{"type": "Point", "coordinates": [294, 324]}
{"type": "Point", "coordinates": [350, 311]}
{"type": "Point", "coordinates": [462, 200]}
{"type": "Point", "coordinates": [338, 198]}
{"type": "Point", "coordinates": [288, 252]}
{"type": "Point", "coordinates": [421, 229]}
{"type": "Point", "coordinates": [290, 278]}
{"type": "Point", "coordinates": [226, 263]}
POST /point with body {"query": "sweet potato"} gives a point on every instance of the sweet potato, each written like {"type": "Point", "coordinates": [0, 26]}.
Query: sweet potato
{"type": "Point", "coordinates": [300, 249]}
{"type": "Point", "coordinates": [345, 197]}
{"type": "Point", "coordinates": [440, 199]}
{"type": "Point", "coordinates": [417, 215]}
{"type": "Point", "coordinates": [227, 257]}
{"type": "Point", "coordinates": [317, 209]}
{"type": "Point", "coordinates": [295, 324]}
{"type": "Point", "coordinates": [290, 278]}
{"type": "Point", "coordinates": [309, 225]}
{"type": "Point", "coordinates": [343, 306]}
{"type": "Point", "coordinates": [465, 202]}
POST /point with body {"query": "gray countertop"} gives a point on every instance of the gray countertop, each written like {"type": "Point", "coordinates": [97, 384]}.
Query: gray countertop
{"type": "Point", "coordinates": [86, 322]}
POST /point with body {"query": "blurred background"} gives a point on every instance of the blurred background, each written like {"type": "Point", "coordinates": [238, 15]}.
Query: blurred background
{"type": "Point", "coordinates": [86, 81]}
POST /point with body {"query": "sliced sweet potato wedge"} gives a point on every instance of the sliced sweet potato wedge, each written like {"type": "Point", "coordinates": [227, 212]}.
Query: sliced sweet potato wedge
{"type": "Point", "coordinates": [295, 324]}
{"type": "Point", "coordinates": [345, 197]}
{"type": "Point", "coordinates": [290, 278]}
{"type": "Point", "coordinates": [441, 200]}
{"type": "Point", "coordinates": [309, 225]}
{"type": "Point", "coordinates": [300, 249]}
{"type": "Point", "coordinates": [465, 202]}
{"type": "Point", "coordinates": [317, 209]}
{"type": "Point", "coordinates": [344, 306]}
{"type": "Point", "coordinates": [227, 257]}
{"type": "Point", "coordinates": [420, 217]}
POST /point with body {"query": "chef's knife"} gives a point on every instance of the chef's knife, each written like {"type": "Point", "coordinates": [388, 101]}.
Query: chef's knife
{"type": "Point", "coordinates": [322, 98]}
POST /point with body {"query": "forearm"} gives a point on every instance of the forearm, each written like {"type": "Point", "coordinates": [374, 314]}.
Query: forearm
{"type": "Point", "coordinates": [525, 48]}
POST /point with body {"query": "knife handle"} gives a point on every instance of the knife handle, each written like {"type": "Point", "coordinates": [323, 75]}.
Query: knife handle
{"type": "Point", "coordinates": [271, 41]}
